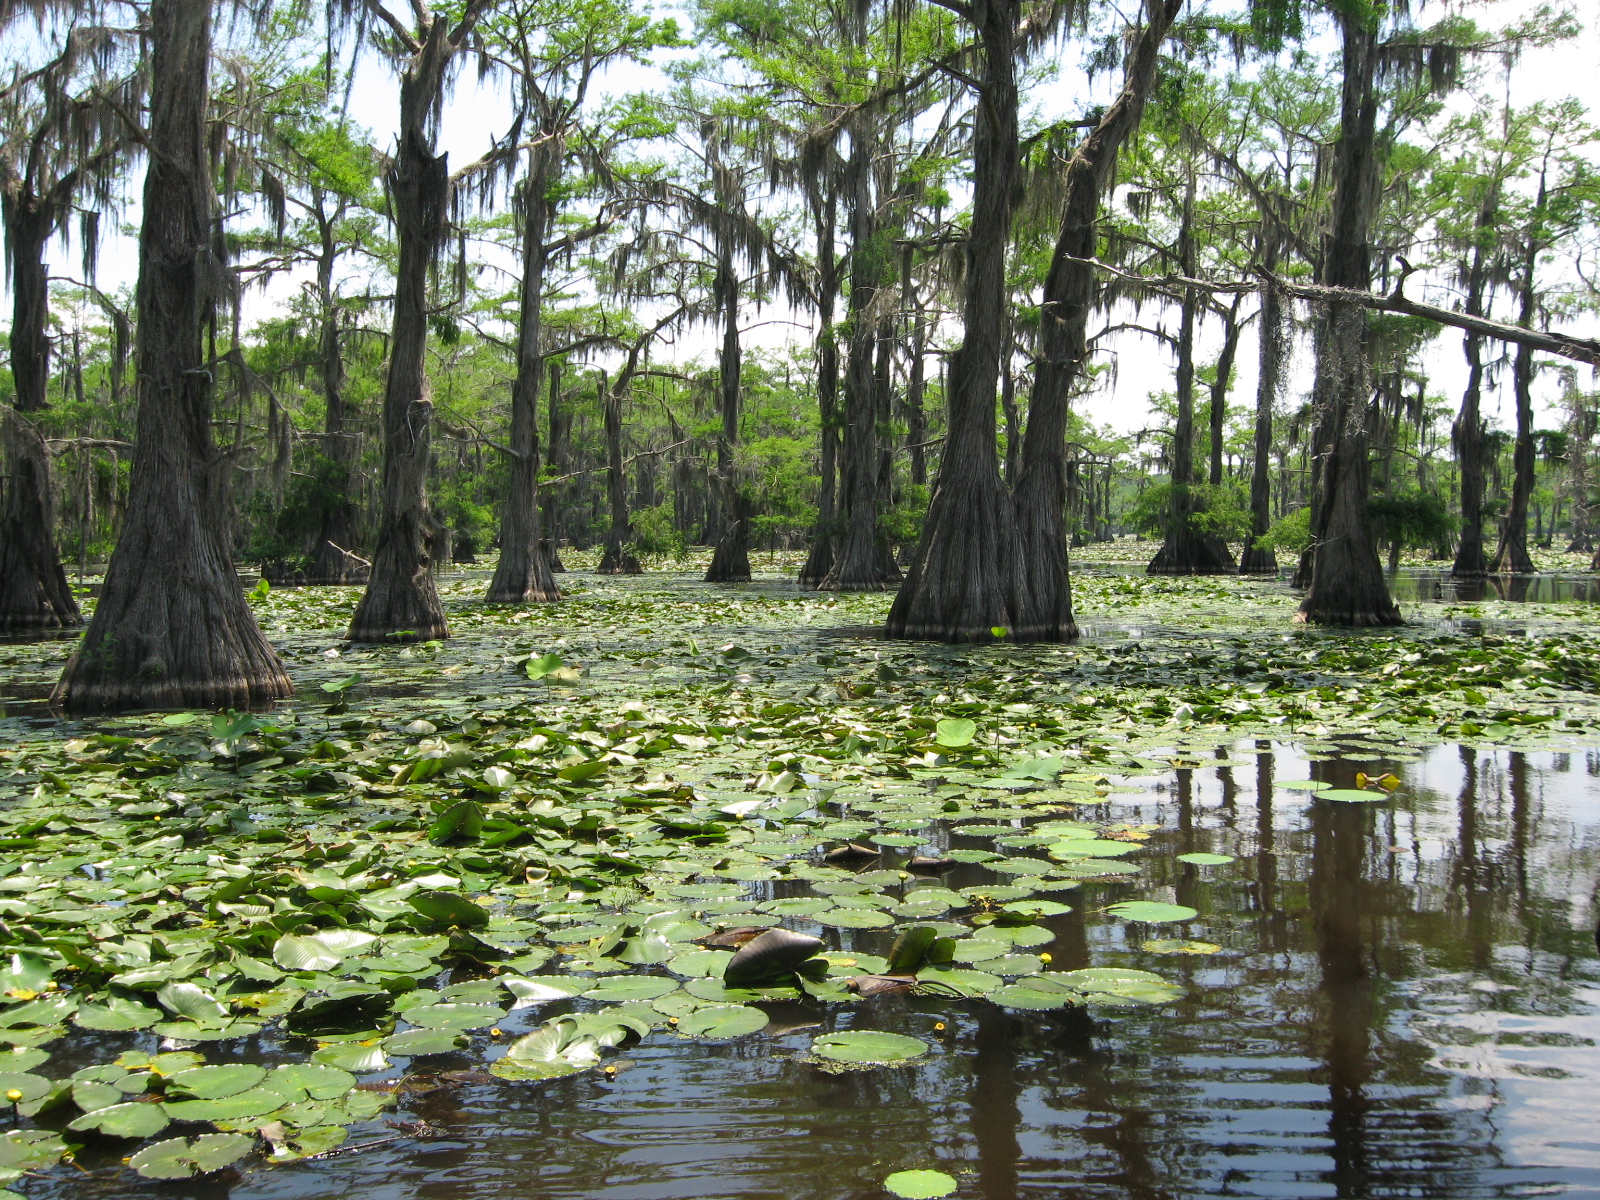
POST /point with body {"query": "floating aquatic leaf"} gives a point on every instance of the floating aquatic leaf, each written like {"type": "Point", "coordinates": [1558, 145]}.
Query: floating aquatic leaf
{"type": "Point", "coordinates": [1206, 860]}
{"type": "Point", "coordinates": [461, 821]}
{"type": "Point", "coordinates": [319, 951]}
{"type": "Point", "coordinates": [27, 1086]}
{"type": "Point", "coordinates": [454, 1018]}
{"type": "Point", "coordinates": [422, 1041]}
{"type": "Point", "coordinates": [620, 988]}
{"type": "Point", "coordinates": [1302, 785]}
{"type": "Point", "coordinates": [722, 1021]}
{"type": "Point", "coordinates": [1179, 946]}
{"type": "Point", "coordinates": [868, 1046]}
{"type": "Point", "coordinates": [179, 1158]}
{"type": "Point", "coordinates": [955, 732]}
{"type": "Point", "coordinates": [29, 1150]}
{"type": "Point", "coordinates": [1019, 995]}
{"type": "Point", "coordinates": [959, 981]}
{"type": "Point", "coordinates": [124, 1120]}
{"type": "Point", "coordinates": [919, 1185]}
{"type": "Point", "coordinates": [772, 954]}
{"type": "Point", "coordinates": [1152, 912]}
{"type": "Point", "coordinates": [445, 909]}
{"type": "Point", "coordinates": [116, 1015]}
{"type": "Point", "coordinates": [1352, 796]}
{"type": "Point", "coordinates": [356, 1057]}
{"type": "Point", "coordinates": [543, 988]}
{"type": "Point", "coordinates": [211, 1083]}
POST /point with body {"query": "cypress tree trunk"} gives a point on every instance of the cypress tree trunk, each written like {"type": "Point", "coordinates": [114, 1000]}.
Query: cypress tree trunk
{"type": "Point", "coordinates": [616, 558]}
{"type": "Point", "coordinates": [401, 603]}
{"type": "Point", "coordinates": [1467, 432]}
{"type": "Point", "coordinates": [1219, 389]}
{"type": "Point", "coordinates": [916, 415]}
{"type": "Point", "coordinates": [820, 559]}
{"type": "Point", "coordinates": [560, 446]}
{"type": "Point", "coordinates": [1511, 558]}
{"type": "Point", "coordinates": [730, 561]}
{"type": "Point", "coordinates": [970, 575]}
{"type": "Point", "coordinates": [1069, 294]}
{"type": "Point", "coordinates": [1347, 584]}
{"type": "Point", "coordinates": [859, 555]}
{"type": "Point", "coordinates": [523, 572]}
{"type": "Point", "coordinates": [333, 557]}
{"type": "Point", "coordinates": [1274, 345]}
{"type": "Point", "coordinates": [172, 627]}
{"type": "Point", "coordinates": [34, 594]}
{"type": "Point", "coordinates": [1186, 550]}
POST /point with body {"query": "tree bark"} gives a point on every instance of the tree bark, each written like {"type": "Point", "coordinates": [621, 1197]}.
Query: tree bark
{"type": "Point", "coordinates": [560, 447]}
{"type": "Point", "coordinates": [969, 580]}
{"type": "Point", "coordinates": [34, 593]}
{"type": "Point", "coordinates": [1467, 432]}
{"type": "Point", "coordinates": [401, 602]}
{"type": "Point", "coordinates": [172, 627]}
{"type": "Point", "coordinates": [616, 558]}
{"type": "Point", "coordinates": [1512, 558]}
{"type": "Point", "coordinates": [859, 554]}
{"type": "Point", "coordinates": [819, 561]}
{"type": "Point", "coordinates": [1274, 348]}
{"type": "Point", "coordinates": [1070, 290]}
{"type": "Point", "coordinates": [523, 572]}
{"type": "Point", "coordinates": [1347, 584]}
{"type": "Point", "coordinates": [730, 561]}
{"type": "Point", "coordinates": [333, 557]}
{"type": "Point", "coordinates": [1219, 389]}
{"type": "Point", "coordinates": [1186, 550]}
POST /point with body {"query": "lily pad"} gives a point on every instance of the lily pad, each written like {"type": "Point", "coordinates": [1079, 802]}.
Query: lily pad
{"type": "Point", "coordinates": [125, 1120]}
{"type": "Point", "coordinates": [919, 1185]}
{"type": "Point", "coordinates": [868, 1046]}
{"type": "Point", "coordinates": [179, 1158]}
{"type": "Point", "coordinates": [1152, 912]}
{"type": "Point", "coordinates": [723, 1021]}
{"type": "Point", "coordinates": [1206, 860]}
{"type": "Point", "coordinates": [1352, 796]}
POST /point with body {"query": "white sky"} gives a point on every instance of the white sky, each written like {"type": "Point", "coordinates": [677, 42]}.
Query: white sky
{"type": "Point", "coordinates": [477, 112]}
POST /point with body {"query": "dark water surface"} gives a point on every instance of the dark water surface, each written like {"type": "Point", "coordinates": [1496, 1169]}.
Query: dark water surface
{"type": "Point", "coordinates": [1407, 1003]}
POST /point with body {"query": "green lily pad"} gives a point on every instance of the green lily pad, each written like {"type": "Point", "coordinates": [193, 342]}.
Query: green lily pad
{"type": "Point", "coordinates": [179, 1158]}
{"type": "Point", "coordinates": [700, 964]}
{"type": "Point", "coordinates": [723, 1021]}
{"type": "Point", "coordinates": [955, 732]}
{"type": "Point", "coordinates": [1019, 995]}
{"type": "Point", "coordinates": [854, 918]}
{"type": "Point", "coordinates": [1206, 860]}
{"type": "Point", "coordinates": [1302, 785]}
{"type": "Point", "coordinates": [351, 1056]}
{"type": "Point", "coordinates": [959, 980]}
{"type": "Point", "coordinates": [29, 1087]}
{"type": "Point", "coordinates": [422, 1041]}
{"type": "Point", "coordinates": [919, 1185]}
{"type": "Point", "coordinates": [1352, 796]}
{"type": "Point", "coordinates": [622, 988]}
{"type": "Point", "coordinates": [212, 1083]}
{"type": "Point", "coordinates": [125, 1120]}
{"type": "Point", "coordinates": [1152, 912]}
{"type": "Point", "coordinates": [868, 1046]}
{"type": "Point", "coordinates": [1179, 946]}
{"type": "Point", "coordinates": [116, 1015]}
{"type": "Point", "coordinates": [455, 1018]}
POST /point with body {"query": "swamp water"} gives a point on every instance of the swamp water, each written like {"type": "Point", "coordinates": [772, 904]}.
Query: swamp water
{"type": "Point", "coordinates": [1392, 992]}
